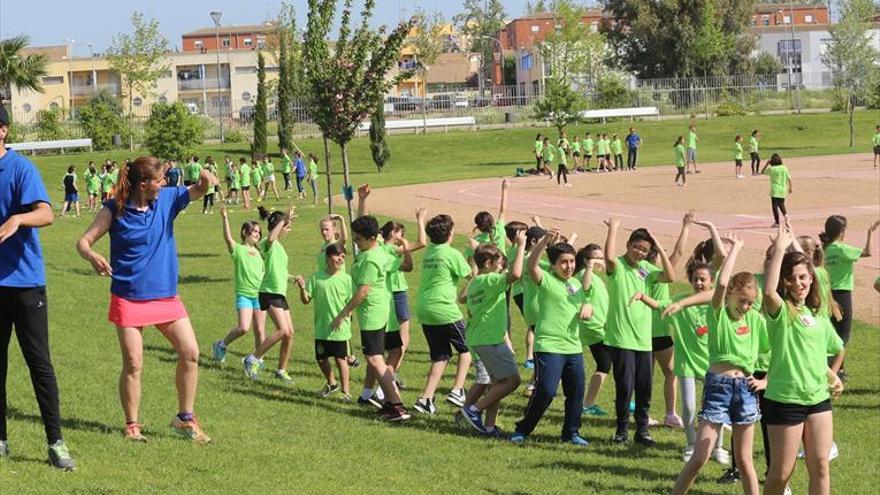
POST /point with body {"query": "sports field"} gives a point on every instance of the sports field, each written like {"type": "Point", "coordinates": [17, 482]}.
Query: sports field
{"type": "Point", "coordinates": [271, 438]}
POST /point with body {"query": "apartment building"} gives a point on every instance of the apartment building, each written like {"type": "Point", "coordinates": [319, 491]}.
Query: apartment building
{"type": "Point", "coordinates": [246, 37]}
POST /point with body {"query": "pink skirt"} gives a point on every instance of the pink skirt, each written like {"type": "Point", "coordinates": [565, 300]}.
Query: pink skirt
{"type": "Point", "coordinates": [130, 313]}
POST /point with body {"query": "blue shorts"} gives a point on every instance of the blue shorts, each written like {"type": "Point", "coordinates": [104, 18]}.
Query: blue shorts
{"type": "Point", "coordinates": [728, 400]}
{"type": "Point", "coordinates": [245, 302]}
{"type": "Point", "coordinates": [401, 306]}
{"type": "Point", "coordinates": [71, 198]}
{"type": "Point", "coordinates": [692, 154]}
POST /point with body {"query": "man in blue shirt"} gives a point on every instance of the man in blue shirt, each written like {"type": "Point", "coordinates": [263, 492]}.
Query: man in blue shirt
{"type": "Point", "coordinates": [633, 141]}
{"type": "Point", "coordinates": [25, 207]}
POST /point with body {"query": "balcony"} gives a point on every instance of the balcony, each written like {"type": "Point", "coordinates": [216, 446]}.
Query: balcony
{"type": "Point", "coordinates": [88, 89]}
{"type": "Point", "coordinates": [200, 84]}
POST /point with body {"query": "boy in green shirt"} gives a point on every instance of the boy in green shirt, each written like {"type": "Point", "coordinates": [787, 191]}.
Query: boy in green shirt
{"type": "Point", "coordinates": [491, 230]}
{"type": "Point", "coordinates": [562, 169]}
{"type": "Point", "coordinates": [547, 155]}
{"type": "Point", "coordinates": [244, 173]}
{"type": "Point", "coordinates": [617, 149]}
{"type": "Point", "coordinates": [286, 168]}
{"type": "Point", "coordinates": [780, 186]}
{"type": "Point", "coordinates": [692, 149]}
{"type": "Point", "coordinates": [588, 151]}
{"type": "Point", "coordinates": [738, 155]}
{"type": "Point", "coordinates": [443, 268]}
{"type": "Point", "coordinates": [875, 140]}
{"type": "Point", "coordinates": [753, 151]}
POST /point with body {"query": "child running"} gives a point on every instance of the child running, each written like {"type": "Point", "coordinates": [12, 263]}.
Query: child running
{"type": "Point", "coordinates": [301, 173]}
{"type": "Point", "coordinates": [248, 273]}
{"type": "Point", "coordinates": [268, 169]}
{"type": "Point", "coordinates": [547, 155]}
{"type": "Point", "coordinates": [487, 328]}
{"type": "Point", "coordinates": [273, 297]}
{"type": "Point", "coordinates": [539, 152]}
{"type": "Point", "coordinates": [330, 289]}
{"type": "Point", "coordinates": [780, 186]}
{"type": "Point", "coordinates": [257, 178]}
{"type": "Point", "coordinates": [680, 164]}
{"type": "Point", "coordinates": [144, 270]}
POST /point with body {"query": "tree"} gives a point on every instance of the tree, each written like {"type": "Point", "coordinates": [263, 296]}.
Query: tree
{"type": "Point", "coordinates": [766, 64]}
{"type": "Point", "coordinates": [285, 109]}
{"type": "Point", "coordinates": [171, 132]}
{"type": "Point", "coordinates": [575, 52]}
{"type": "Point", "coordinates": [560, 105]}
{"type": "Point", "coordinates": [680, 38]}
{"type": "Point", "coordinates": [480, 21]}
{"type": "Point", "coordinates": [18, 71]}
{"type": "Point", "coordinates": [378, 144]}
{"type": "Point", "coordinates": [851, 56]}
{"type": "Point", "coordinates": [260, 141]}
{"type": "Point", "coordinates": [49, 125]}
{"type": "Point", "coordinates": [101, 118]}
{"type": "Point", "coordinates": [536, 8]}
{"type": "Point", "coordinates": [346, 86]}
{"type": "Point", "coordinates": [291, 74]}
{"type": "Point", "coordinates": [138, 60]}
{"type": "Point", "coordinates": [426, 43]}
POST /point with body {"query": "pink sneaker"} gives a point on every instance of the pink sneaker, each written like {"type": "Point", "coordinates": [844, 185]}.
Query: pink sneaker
{"type": "Point", "coordinates": [673, 421]}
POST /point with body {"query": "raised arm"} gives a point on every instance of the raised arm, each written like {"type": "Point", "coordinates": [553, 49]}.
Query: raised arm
{"type": "Point", "coordinates": [772, 300]}
{"type": "Point", "coordinates": [869, 244]}
{"type": "Point", "coordinates": [668, 274]}
{"type": "Point", "coordinates": [421, 236]}
{"type": "Point", "coordinates": [535, 255]}
{"type": "Point", "coordinates": [537, 221]}
{"type": "Point", "coordinates": [200, 188]}
{"type": "Point", "coordinates": [100, 225]}
{"type": "Point", "coordinates": [646, 300]}
{"type": "Point", "coordinates": [505, 188]}
{"type": "Point", "coordinates": [719, 251]}
{"type": "Point", "coordinates": [515, 272]}
{"type": "Point", "coordinates": [611, 245]}
{"type": "Point", "coordinates": [227, 233]}
{"type": "Point", "coordinates": [587, 280]}
{"type": "Point", "coordinates": [363, 193]}
{"type": "Point", "coordinates": [678, 249]}
{"type": "Point", "coordinates": [275, 233]}
{"type": "Point", "coordinates": [697, 299]}
{"type": "Point", "coordinates": [406, 265]}
{"type": "Point", "coordinates": [720, 291]}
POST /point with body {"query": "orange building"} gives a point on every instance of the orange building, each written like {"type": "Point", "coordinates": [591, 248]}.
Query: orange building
{"type": "Point", "coordinates": [249, 37]}
{"type": "Point", "coordinates": [782, 14]}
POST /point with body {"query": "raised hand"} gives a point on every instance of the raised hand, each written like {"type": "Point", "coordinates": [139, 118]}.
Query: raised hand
{"type": "Point", "coordinates": [363, 191]}
{"type": "Point", "coordinates": [520, 238]}
{"type": "Point", "coordinates": [224, 213]}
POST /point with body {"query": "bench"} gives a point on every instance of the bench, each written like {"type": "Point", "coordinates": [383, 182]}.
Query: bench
{"type": "Point", "coordinates": [416, 124]}
{"type": "Point", "coordinates": [607, 113]}
{"type": "Point", "coordinates": [59, 144]}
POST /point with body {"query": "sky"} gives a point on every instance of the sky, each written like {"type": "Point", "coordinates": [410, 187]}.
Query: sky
{"type": "Point", "coordinates": [96, 21]}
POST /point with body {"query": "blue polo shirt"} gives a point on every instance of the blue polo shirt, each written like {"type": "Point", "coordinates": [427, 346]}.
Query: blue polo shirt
{"type": "Point", "coordinates": [21, 257]}
{"type": "Point", "coordinates": [300, 168]}
{"type": "Point", "coordinates": [633, 140]}
{"type": "Point", "coordinates": [143, 253]}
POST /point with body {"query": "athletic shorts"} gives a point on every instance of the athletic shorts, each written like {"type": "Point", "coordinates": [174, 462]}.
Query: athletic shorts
{"type": "Point", "coordinates": [877, 150]}
{"type": "Point", "coordinates": [141, 313]}
{"type": "Point", "coordinates": [401, 306]}
{"type": "Point", "coordinates": [661, 343]}
{"type": "Point", "coordinates": [71, 198]}
{"type": "Point", "coordinates": [518, 300]}
{"type": "Point", "coordinates": [245, 188]}
{"type": "Point", "coordinates": [245, 302]}
{"type": "Point", "coordinates": [738, 162]}
{"type": "Point", "coordinates": [269, 178]}
{"type": "Point", "coordinates": [93, 195]}
{"type": "Point", "coordinates": [393, 341]}
{"type": "Point", "coordinates": [498, 360]}
{"type": "Point", "coordinates": [268, 300]}
{"type": "Point", "coordinates": [754, 156]}
{"type": "Point", "coordinates": [443, 338]}
{"type": "Point", "coordinates": [600, 157]}
{"type": "Point", "coordinates": [779, 413]}
{"type": "Point", "coordinates": [325, 349]}
{"type": "Point", "coordinates": [481, 375]}
{"type": "Point", "coordinates": [188, 183]}
{"type": "Point", "coordinates": [373, 342]}
{"type": "Point", "coordinates": [233, 189]}
{"type": "Point", "coordinates": [575, 153]}
{"type": "Point", "coordinates": [729, 400]}
{"type": "Point", "coordinates": [588, 156]}
{"type": "Point", "coordinates": [692, 154]}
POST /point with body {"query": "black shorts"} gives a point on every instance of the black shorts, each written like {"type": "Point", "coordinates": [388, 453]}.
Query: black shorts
{"type": "Point", "coordinates": [738, 162]}
{"type": "Point", "coordinates": [754, 156]}
{"type": "Point", "coordinates": [393, 341]}
{"type": "Point", "coordinates": [588, 156]}
{"type": "Point", "coordinates": [518, 299]}
{"type": "Point", "coordinates": [575, 153]}
{"type": "Point", "coordinates": [443, 338]}
{"type": "Point", "coordinates": [779, 413]}
{"type": "Point", "coordinates": [600, 156]}
{"type": "Point", "coordinates": [268, 300]}
{"type": "Point", "coordinates": [331, 348]}
{"type": "Point", "coordinates": [602, 357]}
{"type": "Point", "coordinates": [373, 342]}
{"type": "Point", "coordinates": [188, 183]}
{"type": "Point", "coordinates": [661, 343]}
{"type": "Point", "coordinates": [877, 150]}
{"type": "Point", "coordinates": [245, 188]}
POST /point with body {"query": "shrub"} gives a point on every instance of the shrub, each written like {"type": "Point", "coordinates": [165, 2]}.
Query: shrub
{"type": "Point", "coordinates": [171, 132]}
{"type": "Point", "coordinates": [729, 109]}
{"type": "Point", "coordinates": [101, 118]}
{"type": "Point", "coordinates": [613, 93]}
{"type": "Point", "coordinates": [234, 136]}
{"type": "Point", "coordinates": [49, 125]}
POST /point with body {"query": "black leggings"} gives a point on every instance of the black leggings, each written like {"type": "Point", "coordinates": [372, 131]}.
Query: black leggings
{"type": "Point", "coordinates": [618, 162]}
{"type": "Point", "coordinates": [778, 205]}
{"type": "Point", "coordinates": [207, 199]}
{"type": "Point", "coordinates": [843, 298]}
{"type": "Point", "coordinates": [756, 162]}
{"type": "Point", "coordinates": [539, 162]}
{"type": "Point", "coordinates": [561, 171]}
{"type": "Point", "coordinates": [286, 180]}
{"type": "Point", "coordinates": [601, 357]}
{"type": "Point", "coordinates": [759, 375]}
{"type": "Point", "coordinates": [632, 373]}
{"type": "Point", "coordinates": [26, 310]}
{"type": "Point", "coordinates": [680, 172]}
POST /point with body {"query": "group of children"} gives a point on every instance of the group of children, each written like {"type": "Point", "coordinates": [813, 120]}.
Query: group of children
{"type": "Point", "coordinates": [608, 153]}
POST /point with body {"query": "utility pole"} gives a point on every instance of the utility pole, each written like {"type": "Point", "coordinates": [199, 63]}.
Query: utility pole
{"type": "Point", "coordinates": [215, 15]}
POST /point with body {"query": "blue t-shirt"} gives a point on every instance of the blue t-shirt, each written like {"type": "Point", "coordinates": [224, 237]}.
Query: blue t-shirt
{"type": "Point", "coordinates": [300, 168]}
{"type": "Point", "coordinates": [633, 140]}
{"type": "Point", "coordinates": [172, 177]}
{"type": "Point", "coordinates": [143, 253]}
{"type": "Point", "coordinates": [21, 257]}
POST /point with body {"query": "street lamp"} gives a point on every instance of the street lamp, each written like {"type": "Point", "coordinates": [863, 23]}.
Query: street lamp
{"type": "Point", "coordinates": [94, 74]}
{"type": "Point", "coordinates": [215, 15]}
{"type": "Point", "coordinates": [797, 88]}
{"type": "Point", "coordinates": [70, 44]}
{"type": "Point", "coordinates": [500, 55]}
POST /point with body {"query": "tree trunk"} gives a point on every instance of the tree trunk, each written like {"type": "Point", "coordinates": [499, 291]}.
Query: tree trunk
{"type": "Point", "coordinates": [130, 120]}
{"type": "Point", "coordinates": [348, 199]}
{"type": "Point", "coordinates": [424, 105]}
{"type": "Point", "coordinates": [329, 187]}
{"type": "Point", "coordinates": [852, 111]}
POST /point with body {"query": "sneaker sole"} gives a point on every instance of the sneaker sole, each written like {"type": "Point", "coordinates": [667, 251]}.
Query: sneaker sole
{"type": "Point", "coordinates": [455, 402]}
{"type": "Point", "coordinates": [423, 410]}
{"type": "Point", "coordinates": [397, 419]}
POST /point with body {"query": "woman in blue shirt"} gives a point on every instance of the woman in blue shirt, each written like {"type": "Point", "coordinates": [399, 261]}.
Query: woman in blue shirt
{"type": "Point", "coordinates": [143, 291]}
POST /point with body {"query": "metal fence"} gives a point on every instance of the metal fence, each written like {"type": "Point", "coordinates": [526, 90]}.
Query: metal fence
{"type": "Point", "coordinates": [729, 95]}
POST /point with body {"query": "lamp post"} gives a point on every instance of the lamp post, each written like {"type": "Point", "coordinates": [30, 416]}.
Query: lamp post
{"type": "Point", "coordinates": [94, 74]}
{"type": "Point", "coordinates": [70, 44]}
{"type": "Point", "coordinates": [797, 88]}
{"type": "Point", "coordinates": [500, 55]}
{"type": "Point", "coordinates": [215, 15]}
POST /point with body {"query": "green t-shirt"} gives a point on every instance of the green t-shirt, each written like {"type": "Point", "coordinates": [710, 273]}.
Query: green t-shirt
{"type": "Point", "coordinates": [736, 343]}
{"type": "Point", "coordinates": [371, 268]}
{"type": "Point", "coordinates": [601, 148]}
{"type": "Point", "coordinates": [275, 275]}
{"type": "Point", "coordinates": [107, 182]}
{"type": "Point", "coordinates": [192, 171]}
{"type": "Point", "coordinates": [779, 176]}
{"type": "Point", "coordinates": [689, 329]}
{"type": "Point", "coordinates": [558, 327]}
{"type": "Point", "coordinates": [235, 182]}
{"type": "Point", "coordinates": [628, 327]}
{"type": "Point", "coordinates": [547, 153]}
{"type": "Point", "coordinates": [268, 168]}
{"type": "Point", "coordinates": [563, 146]}
{"type": "Point", "coordinates": [257, 175]}
{"type": "Point", "coordinates": [313, 170]}
{"type": "Point", "coordinates": [876, 139]}
{"type": "Point", "coordinates": [249, 268]}
{"type": "Point", "coordinates": [659, 292]}
{"type": "Point", "coordinates": [496, 237]}
{"type": "Point", "coordinates": [396, 278]}
{"type": "Point", "coordinates": [798, 365]}
{"type": "Point", "coordinates": [539, 148]}
{"type": "Point", "coordinates": [839, 260]}
{"type": "Point", "coordinates": [617, 146]}
{"type": "Point", "coordinates": [576, 146]}
{"type": "Point", "coordinates": [679, 155]}
{"type": "Point", "coordinates": [245, 174]}
{"type": "Point", "coordinates": [563, 159]}
{"type": "Point", "coordinates": [593, 330]}
{"type": "Point", "coordinates": [330, 294]}
{"type": "Point", "coordinates": [753, 144]}
{"type": "Point", "coordinates": [531, 305]}
{"type": "Point", "coordinates": [443, 267]}
{"type": "Point", "coordinates": [588, 146]}
{"type": "Point", "coordinates": [93, 183]}
{"type": "Point", "coordinates": [487, 309]}
{"type": "Point", "coordinates": [737, 151]}
{"type": "Point", "coordinates": [286, 164]}
{"type": "Point", "coordinates": [692, 140]}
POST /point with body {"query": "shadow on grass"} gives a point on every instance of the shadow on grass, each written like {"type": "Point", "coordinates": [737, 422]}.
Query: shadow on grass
{"type": "Point", "coordinates": [201, 279]}
{"type": "Point", "coordinates": [67, 421]}
{"type": "Point", "coordinates": [197, 255]}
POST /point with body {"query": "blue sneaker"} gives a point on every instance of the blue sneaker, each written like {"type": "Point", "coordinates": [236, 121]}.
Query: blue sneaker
{"type": "Point", "coordinates": [474, 418]}
{"type": "Point", "coordinates": [579, 441]}
{"type": "Point", "coordinates": [529, 364]}
{"type": "Point", "coordinates": [251, 367]}
{"type": "Point", "coordinates": [595, 410]}
{"type": "Point", "coordinates": [632, 406]}
{"type": "Point", "coordinates": [517, 438]}
{"type": "Point", "coordinates": [218, 352]}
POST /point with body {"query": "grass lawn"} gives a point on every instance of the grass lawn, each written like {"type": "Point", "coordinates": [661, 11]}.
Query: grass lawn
{"type": "Point", "coordinates": [270, 438]}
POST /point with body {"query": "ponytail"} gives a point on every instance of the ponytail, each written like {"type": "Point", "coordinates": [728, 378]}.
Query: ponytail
{"type": "Point", "coordinates": [131, 174]}
{"type": "Point", "coordinates": [835, 225]}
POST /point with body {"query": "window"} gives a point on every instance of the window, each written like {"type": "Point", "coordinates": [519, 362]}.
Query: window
{"type": "Point", "coordinates": [198, 44]}
{"type": "Point", "coordinates": [765, 20]}
{"type": "Point", "coordinates": [246, 69]}
{"type": "Point", "coordinates": [808, 19]}
{"type": "Point", "coordinates": [526, 62]}
{"type": "Point", "coordinates": [248, 42]}
{"type": "Point", "coordinates": [261, 41]}
{"type": "Point", "coordinates": [27, 107]}
{"type": "Point", "coordinates": [137, 101]}
{"type": "Point", "coordinates": [786, 19]}
{"type": "Point", "coordinates": [226, 43]}
{"type": "Point", "coordinates": [53, 79]}
{"type": "Point", "coordinates": [536, 29]}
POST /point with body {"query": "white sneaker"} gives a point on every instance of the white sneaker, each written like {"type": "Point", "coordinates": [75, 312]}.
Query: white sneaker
{"type": "Point", "coordinates": [687, 453]}
{"type": "Point", "coordinates": [721, 456]}
{"type": "Point", "coordinates": [834, 453]}
{"type": "Point", "coordinates": [787, 490]}
{"type": "Point", "coordinates": [740, 176]}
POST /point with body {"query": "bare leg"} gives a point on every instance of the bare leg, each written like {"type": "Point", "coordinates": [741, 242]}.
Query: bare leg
{"type": "Point", "coordinates": [818, 436]}
{"type": "Point", "coordinates": [743, 438]}
{"type": "Point", "coordinates": [180, 334]}
{"type": "Point", "coordinates": [464, 364]}
{"type": "Point", "coordinates": [593, 390]}
{"type": "Point", "coordinates": [131, 343]}
{"type": "Point", "coordinates": [342, 366]}
{"type": "Point", "coordinates": [784, 443]}
{"type": "Point", "coordinates": [327, 371]}
{"type": "Point", "coordinates": [664, 358]}
{"type": "Point", "coordinates": [435, 374]}
{"type": "Point", "coordinates": [706, 437]}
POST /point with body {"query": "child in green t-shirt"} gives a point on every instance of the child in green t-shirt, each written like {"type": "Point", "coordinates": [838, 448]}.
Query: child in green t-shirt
{"type": "Point", "coordinates": [488, 229]}
{"type": "Point", "coordinates": [248, 275]}
{"type": "Point", "coordinates": [589, 260]}
{"type": "Point", "coordinates": [617, 150]}
{"type": "Point", "coordinates": [330, 288]}
{"type": "Point", "coordinates": [780, 186]}
{"type": "Point", "coordinates": [738, 156]}
{"type": "Point", "coordinates": [680, 163]}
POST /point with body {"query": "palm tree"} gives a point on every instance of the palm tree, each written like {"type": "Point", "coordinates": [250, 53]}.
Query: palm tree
{"type": "Point", "coordinates": [22, 72]}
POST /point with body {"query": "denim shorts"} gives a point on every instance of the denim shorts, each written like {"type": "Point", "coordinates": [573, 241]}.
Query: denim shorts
{"type": "Point", "coordinates": [401, 306]}
{"type": "Point", "coordinates": [245, 302]}
{"type": "Point", "coordinates": [728, 400]}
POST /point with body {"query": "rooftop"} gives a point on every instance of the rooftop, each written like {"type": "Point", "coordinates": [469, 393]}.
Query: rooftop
{"type": "Point", "coordinates": [267, 27]}
{"type": "Point", "coordinates": [763, 8]}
